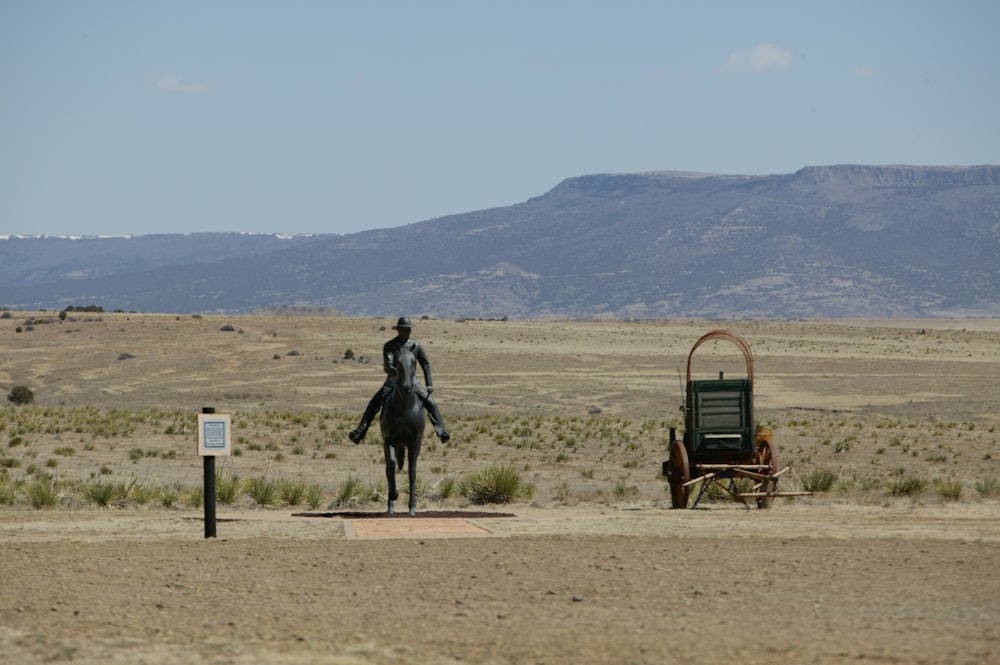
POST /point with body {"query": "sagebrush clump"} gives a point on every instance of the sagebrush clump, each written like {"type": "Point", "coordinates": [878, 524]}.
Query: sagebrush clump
{"type": "Point", "coordinates": [21, 395]}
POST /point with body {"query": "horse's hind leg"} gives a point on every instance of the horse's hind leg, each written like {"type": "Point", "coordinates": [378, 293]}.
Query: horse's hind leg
{"type": "Point", "coordinates": [390, 476]}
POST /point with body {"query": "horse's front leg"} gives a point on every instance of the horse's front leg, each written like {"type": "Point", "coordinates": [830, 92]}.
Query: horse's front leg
{"type": "Point", "coordinates": [412, 468]}
{"type": "Point", "coordinates": [390, 475]}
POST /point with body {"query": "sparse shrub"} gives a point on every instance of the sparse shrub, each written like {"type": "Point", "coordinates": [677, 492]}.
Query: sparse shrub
{"type": "Point", "coordinates": [142, 494]}
{"type": "Point", "coordinates": [819, 480]}
{"type": "Point", "coordinates": [349, 491]}
{"type": "Point", "coordinates": [105, 495]}
{"type": "Point", "coordinates": [169, 496]}
{"type": "Point", "coordinates": [263, 491]}
{"type": "Point", "coordinates": [845, 445]}
{"type": "Point", "coordinates": [374, 492]}
{"type": "Point", "coordinates": [21, 395]}
{"type": "Point", "coordinates": [903, 485]}
{"type": "Point", "coordinates": [562, 492]}
{"type": "Point", "coordinates": [125, 356]}
{"type": "Point", "coordinates": [949, 489]}
{"type": "Point", "coordinates": [446, 487]}
{"type": "Point", "coordinates": [349, 354]}
{"type": "Point", "coordinates": [7, 493]}
{"type": "Point", "coordinates": [498, 483]}
{"type": "Point", "coordinates": [623, 490]}
{"type": "Point", "coordinates": [227, 490]}
{"type": "Point", "coordinates": [314, 497]}
{"type": "Point", "coordinates": [292, 492]}
{"type": "Point", "coordinates": [228, 328]}
{"type": "Point", "coordinates": [42, 493]}
{"type": "Point", "coordinates": [195, 497]}
{"type": "Point", "coordinates": [989, 487]}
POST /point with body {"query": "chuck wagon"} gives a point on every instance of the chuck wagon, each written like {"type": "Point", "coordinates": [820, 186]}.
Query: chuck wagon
{"type": "Point", "coordinates": [722, 444]}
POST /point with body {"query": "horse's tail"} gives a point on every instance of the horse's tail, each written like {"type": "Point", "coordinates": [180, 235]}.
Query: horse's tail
{"type": "Point", "coordinates": [400, 456]}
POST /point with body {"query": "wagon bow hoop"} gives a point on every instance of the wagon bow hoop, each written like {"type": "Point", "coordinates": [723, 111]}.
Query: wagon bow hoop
{"type": "Point", "coordinates": [732, 337]}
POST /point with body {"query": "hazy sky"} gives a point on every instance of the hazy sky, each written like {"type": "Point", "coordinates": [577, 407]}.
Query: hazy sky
{"type": "Point", "coordinates": [333, 117]}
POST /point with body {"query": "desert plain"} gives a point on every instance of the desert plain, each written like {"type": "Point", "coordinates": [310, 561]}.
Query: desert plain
{"type": "Point", "coordinates": [895, 561]}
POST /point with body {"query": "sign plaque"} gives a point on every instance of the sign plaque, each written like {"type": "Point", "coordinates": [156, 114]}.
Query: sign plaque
{"type": "Point", "coordinates": [214, 435]}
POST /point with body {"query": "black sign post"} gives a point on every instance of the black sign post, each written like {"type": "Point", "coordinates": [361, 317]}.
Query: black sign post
{"type": "Point", "coordinates": [214, 438]}
{"type": "Point", "coordinates": [209, 488]}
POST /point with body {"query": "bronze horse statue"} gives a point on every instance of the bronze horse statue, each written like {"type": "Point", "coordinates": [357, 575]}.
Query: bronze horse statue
{"type": "Point", "coordinates": [402, 423]}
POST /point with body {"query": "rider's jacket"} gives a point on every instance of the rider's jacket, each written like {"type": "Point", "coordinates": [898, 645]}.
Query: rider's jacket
{"type": "Point", "coordinates": [389, 350]}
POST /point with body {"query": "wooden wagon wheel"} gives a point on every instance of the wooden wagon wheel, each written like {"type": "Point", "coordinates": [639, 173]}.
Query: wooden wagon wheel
{"type": "Point", "coordinates": [765, 455]}
{"type": "Point", "coordinates": [679, 473]}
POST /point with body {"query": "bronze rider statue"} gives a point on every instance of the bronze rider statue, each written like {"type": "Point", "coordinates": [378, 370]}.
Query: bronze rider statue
{"type": "Point", "coordinates": [389, 350]}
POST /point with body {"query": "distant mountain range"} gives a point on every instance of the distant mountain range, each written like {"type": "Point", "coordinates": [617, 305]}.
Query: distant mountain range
{"type": "Point", "coordinates": [831, 241]}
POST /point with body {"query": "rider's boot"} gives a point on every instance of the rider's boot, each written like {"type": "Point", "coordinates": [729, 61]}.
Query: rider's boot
{"type": "Point", "coordinates": [436, 420]}
{"type": "Point", "coordinates": [358, 433]}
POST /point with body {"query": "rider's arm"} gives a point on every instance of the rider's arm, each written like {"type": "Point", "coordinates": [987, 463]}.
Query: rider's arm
{"type": "Point", "coordinates": [388, 359]}
{"type": "Point", "coordinates": [425, 364]}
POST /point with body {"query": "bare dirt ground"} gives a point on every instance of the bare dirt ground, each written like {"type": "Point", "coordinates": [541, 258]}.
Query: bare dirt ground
{"type": "Point", "coordinates": [819, 583]}
{"type": "Point", "coordinates": [581, 573]}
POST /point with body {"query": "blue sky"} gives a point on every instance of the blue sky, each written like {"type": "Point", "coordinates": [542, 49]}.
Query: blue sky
{"type": "Point", "coordinates": [122, 117]}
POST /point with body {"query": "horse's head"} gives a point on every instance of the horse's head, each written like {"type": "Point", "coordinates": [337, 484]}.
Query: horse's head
{"type": "Point", "coordinates": [406, 370]}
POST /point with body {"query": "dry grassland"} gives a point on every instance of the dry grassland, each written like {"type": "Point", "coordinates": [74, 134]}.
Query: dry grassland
{"type": "Point", "coordinates": [581, 409]}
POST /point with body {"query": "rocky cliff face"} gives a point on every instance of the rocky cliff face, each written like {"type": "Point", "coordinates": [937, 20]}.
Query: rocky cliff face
{"type": "Point", "coordinates": [901, 176]}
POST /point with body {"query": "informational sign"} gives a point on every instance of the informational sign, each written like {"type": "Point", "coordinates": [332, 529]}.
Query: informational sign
{"type": "Point", "coordinates": [214, 436]}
